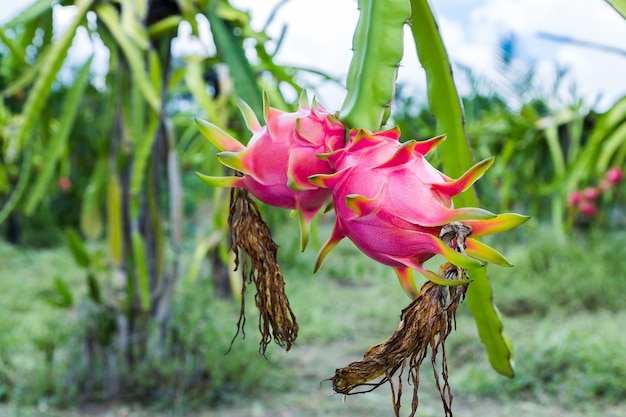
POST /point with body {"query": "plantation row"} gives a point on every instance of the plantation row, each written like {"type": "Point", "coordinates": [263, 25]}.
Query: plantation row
{"type": "Point", "coordinates": [117, 268]}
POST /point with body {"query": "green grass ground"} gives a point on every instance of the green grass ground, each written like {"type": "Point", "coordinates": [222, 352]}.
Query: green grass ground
{"type": "Point", "coordinates": [563, 306]}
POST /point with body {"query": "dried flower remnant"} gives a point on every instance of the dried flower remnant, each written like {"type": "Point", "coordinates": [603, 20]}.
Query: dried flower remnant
{"type": "Point", "coordinates": [255, 251]}
{"type": "Point", "coordinates": [425, 323]}
{"type": "Point", "coordinates": [274, 168]}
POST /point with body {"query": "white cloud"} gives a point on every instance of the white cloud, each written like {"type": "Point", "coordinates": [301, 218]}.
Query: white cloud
{"type": "Point", "coordinates": [472, 38]}
{"type": "Point", "coordinates": [320, 36]}
{"type": "Point", "coordinates": [463, 49]}
{"type": "Point", "coordinates": [10, 9]}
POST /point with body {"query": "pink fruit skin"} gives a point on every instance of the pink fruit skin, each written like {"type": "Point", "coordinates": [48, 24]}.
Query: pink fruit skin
{"type": "Point", "coordinates": [590, 193]}
{"type": "Point", "coordinates": [389, 229]}
{"type": "Point", "coordinates": [280, 157]}
{"type": "Point", "coordinates": [574, 198]}
{"type": "Point", "coordinates": [615, 175]}
{"type": "Point", "coordinates": [588, 208]}
{"type": "Point", "coordinates": [392, 203]}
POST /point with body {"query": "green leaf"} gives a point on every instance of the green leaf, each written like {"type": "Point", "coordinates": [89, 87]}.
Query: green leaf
{"type": "Point", "coordinates": [456, 157]}
{"type": "Point", "coordinates": [189, 11]}
{"type": "Point", "coordinates": [60, 296]}
{"type": "Point", "coordinates": [197, 87]}
{"type": "Point", "coordinates": [133, 12]}
{"type": "Point", "coordinates": [142, 156]}
{"type": "Point", "coordinates": [610, 148]}
{"type": "Point", "coordinates": [77, 248]}
{"type": "Point", "coordinates": [233, 54]}
{"type": "Point", "coordinates": [489, 323]}
{"type": "Point", "coordinates": [59, 141]}
{"type": "Point", "coordinates": [141, 270]}
{"type": "Point", "coordinates": [28, 75]}
{"type": "Point", "coordinates": [175, 183]}
{"type": "Point", "coordinates": [202, 248]}
{"type": "Point", "coordinates": [619, 6]}
{"type": "Point", "coordinates": [43, 84]}
{"type": "Point", "coordinates": [31, 12]}
{"type": "Point", "coordinates": [91, 223]}
{"type": "Point", "coordinates": [134, 55]}
{"type": "Point", "coordinates": [21, 186]}
{"type": "Point", "coordinates": [115, 224]}
{"type": "Point", "coordinates": [18, 145]}
{"type": "Point", "coordinates": [93, 288]}
{"type": "Point", "coordinates": [554, 146]}
{"type": "Point", "coordinates": [155, 70]}
{"type": "Point", "coordinates": [4, 179]}
{"type": "Point", "coordinates": [158, 259]}
{"type": "Point", "coordinates": [166, 26]}
{"type": "Point", "coordinates": [16, 51]}
{"type": "Point", "coordinates": [605, 125]}
{"type": "Point", "coordinates": [378, 47]}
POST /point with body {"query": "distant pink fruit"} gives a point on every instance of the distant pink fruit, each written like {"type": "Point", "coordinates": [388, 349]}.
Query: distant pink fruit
{"type": "Point", "coordinates": [65, 183]}
{"type": "Point", "coordinates": [591, 193]}
{"type": "Point", "coordinates": [392, 204]}
{"type": "Point", "coordinates": [604, 185]}
{"type": "Point", "coordinates": [588, 208]}
{"type": "Point", "coordinates": [615, 175]}
{"type": "Point", "coordinates": [574, 198]}
{"type": "Point", "coordinates": [280, 157]}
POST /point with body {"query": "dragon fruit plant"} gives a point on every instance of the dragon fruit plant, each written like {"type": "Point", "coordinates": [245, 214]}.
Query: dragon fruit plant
{"type": "Point", "coordinates": [280, 157]}
{"type": "Point", "coordinates": [388, 200]}
{"type": "Point", "coordinates": [392, 204]}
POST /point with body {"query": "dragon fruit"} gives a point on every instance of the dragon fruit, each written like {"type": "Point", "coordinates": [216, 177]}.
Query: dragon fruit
{"type": "Point", "coordinates": [280, 157]}
{"type": "Point", "coordinates": [393, 205]}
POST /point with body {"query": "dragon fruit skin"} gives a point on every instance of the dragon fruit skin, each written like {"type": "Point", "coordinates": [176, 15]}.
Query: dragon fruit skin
{"type": "Point", "coordinates": [280, 157]}
{"type": "Point", "coordinates": [392, 203]}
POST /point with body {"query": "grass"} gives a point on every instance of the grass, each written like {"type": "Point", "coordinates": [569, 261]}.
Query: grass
{"type": "Point", "coordinates": [573, 361]}
{"type": "Point", "coordinates": [563, 307]}
{"type": "Point", "coordinates": [584, 273]}
{"type": "Point", "coordinates": [27, 320]}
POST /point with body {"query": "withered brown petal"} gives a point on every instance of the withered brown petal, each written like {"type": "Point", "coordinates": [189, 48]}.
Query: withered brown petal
{"type": "Point", "coordinates": [255, 251]}
{"type": "Point", "coordinates": [425, 323]}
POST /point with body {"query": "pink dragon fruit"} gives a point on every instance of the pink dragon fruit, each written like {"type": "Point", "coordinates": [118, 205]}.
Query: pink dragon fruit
{"type": "Point", "coordinates": [392, 204]}
{"type": "Point", "coordinates": [615, 175]}
{"type": "Point", "coordinates": [280, 157]}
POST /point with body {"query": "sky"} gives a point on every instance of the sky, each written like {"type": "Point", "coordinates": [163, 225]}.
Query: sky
{"type": "Point", "coordinates": [319, 36]}
{"type": "Point", "coordinates": [320, 32]}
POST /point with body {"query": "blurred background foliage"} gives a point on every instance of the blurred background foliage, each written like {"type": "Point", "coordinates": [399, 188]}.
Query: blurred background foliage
{"type": "Point", "coordinates": [98, 158]}
{"type": "Point", "coordinates": [546, 146]}
{"type": "Point", "coordinates": [115, 275]}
